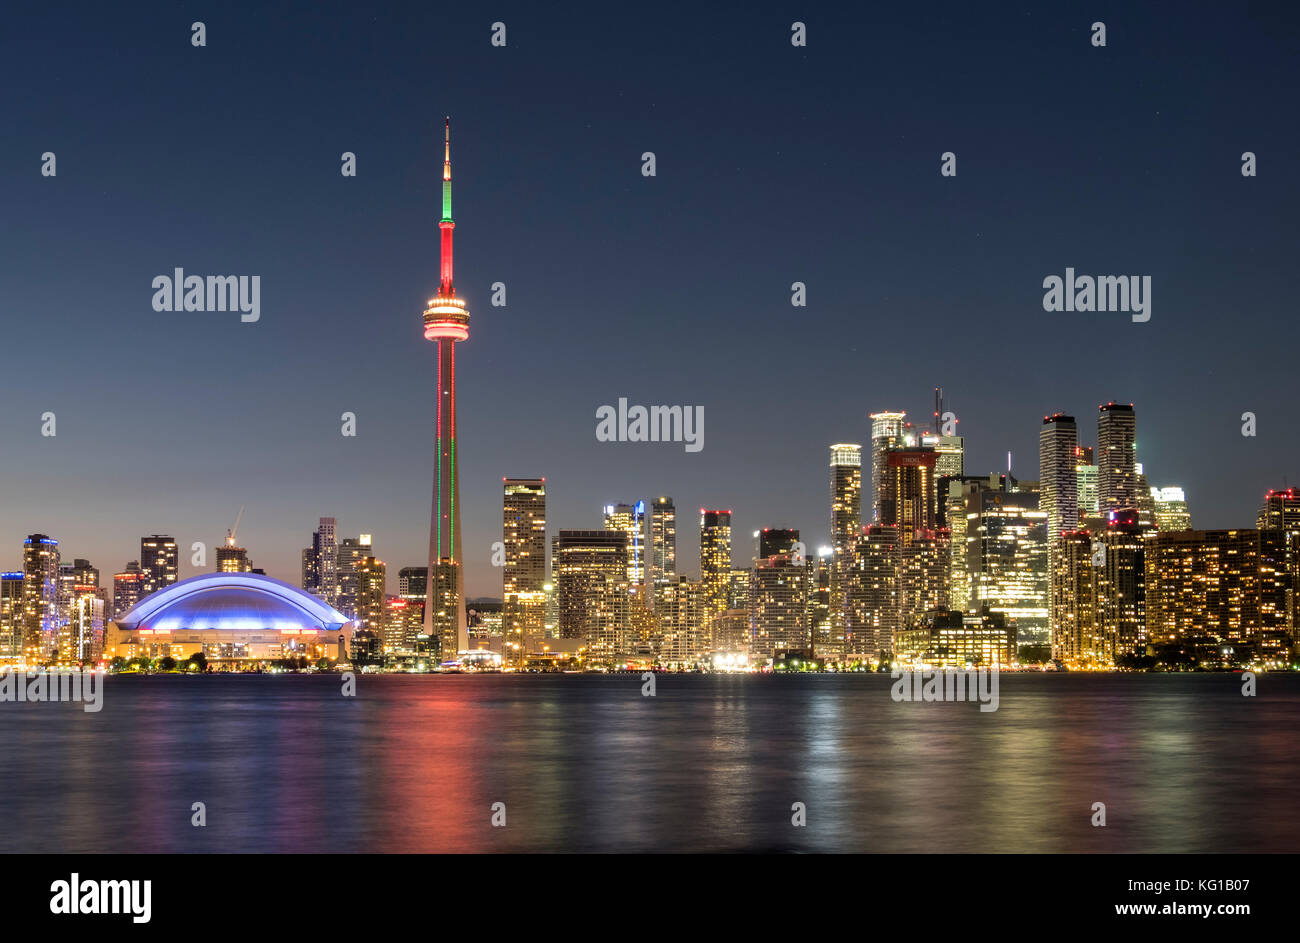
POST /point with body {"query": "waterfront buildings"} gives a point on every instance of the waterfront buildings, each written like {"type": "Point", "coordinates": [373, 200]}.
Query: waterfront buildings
{"type": "Point", "coordinates": [715, 561]}
{"type": "Point", "coordinates": [523, 575]}
{"type": "Point", "coordinates": [663, 548]}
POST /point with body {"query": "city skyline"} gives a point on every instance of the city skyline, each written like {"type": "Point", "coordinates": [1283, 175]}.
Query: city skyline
{"type": "Point", "coordinates": [170, 422]}
{"type": "Point", "coordinates": [819, 536]}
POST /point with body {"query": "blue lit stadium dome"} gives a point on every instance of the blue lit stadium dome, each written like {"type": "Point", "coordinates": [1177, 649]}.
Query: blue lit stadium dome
{"type": "Point", "coordinates": [232, 602]}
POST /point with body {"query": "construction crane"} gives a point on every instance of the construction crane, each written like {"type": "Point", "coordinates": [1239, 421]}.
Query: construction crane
{"type": "Point", "coordinates": [230, 534]}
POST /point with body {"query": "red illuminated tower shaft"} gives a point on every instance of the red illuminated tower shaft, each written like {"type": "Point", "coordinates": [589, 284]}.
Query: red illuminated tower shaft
{"type": "Point", "coordinates": [446, 321]}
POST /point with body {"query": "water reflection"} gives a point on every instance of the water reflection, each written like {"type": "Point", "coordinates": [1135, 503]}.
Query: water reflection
{"type": "Point", "coordinates": [414, 764]}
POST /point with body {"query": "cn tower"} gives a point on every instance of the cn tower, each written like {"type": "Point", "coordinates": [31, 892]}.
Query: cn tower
{"type": "Point", "coordinates": [446, 321]}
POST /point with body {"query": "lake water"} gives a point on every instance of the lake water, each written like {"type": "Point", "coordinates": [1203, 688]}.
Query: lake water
{"type": "Point", "coordinates": [1183, 763]}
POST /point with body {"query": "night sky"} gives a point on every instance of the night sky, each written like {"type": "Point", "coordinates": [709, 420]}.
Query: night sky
{"type": "Point", "coordinates": [774, 165]}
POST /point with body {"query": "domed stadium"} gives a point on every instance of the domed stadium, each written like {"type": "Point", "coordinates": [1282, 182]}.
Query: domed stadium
{"type": "Point", "coordinates": [231, 618]}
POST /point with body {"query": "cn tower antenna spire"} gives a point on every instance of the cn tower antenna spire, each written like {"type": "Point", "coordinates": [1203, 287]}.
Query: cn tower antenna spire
{"type": "Point", "coordinates": [446, 288]}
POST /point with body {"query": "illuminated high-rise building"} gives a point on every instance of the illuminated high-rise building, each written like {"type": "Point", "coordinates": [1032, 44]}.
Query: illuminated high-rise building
{"type": "Point", "coordinates": [1006, 559]}
{"type": "Point", "coordinates": [1117, 479]}
{"type": "Point", "coordinates": [1171, 509]}
{"type": "Point", "coordinates": [1280, 511]}
{"type": "Point", "coordinates": [1058, 444]}
{"type": "Point", "coordinates": [715, 561]}
{"type": "Point", "coordinates": [80, 612]}
{"type": "Point", "coordinates": [778, 606]}
{"type": "Point", "coordinates": [888, 431]}
{"type": "Point", "coordinates": [955, 514]}
{"type": "Point", "coordinates": [873, 596]}
{"type": "Point", "coordinates": [403, 622]}
{"type": "Point", "coordinates": [907, 497]}
{"type": "Point", "coordinates": [590, 572]}
{"type": "Point", "coordinates": [11, 616]}
{"type": "Point", "coordinates": [925, 575]}
{"type": "Point", "coordinates": [82, 640]}
{"type": "Point", "coordinates": [826, 642]}
{"type": "Point", "coordinates": [232, 558]}
{"type": "Point", "coordinates": [630, 519]}
{"type": "Point", "coordinates": [1058, 478]}
{"type": "Point", "coordinates": [1075, 640]}
{"type": "Point", "coordinates": [950, 454]}
{"type": "Point", "coordinates": [523, 613]}
{"type": "Point", "coordinates": [738, 586]}
{"type": "Point", "coordinates": [663, 547]}
{"type": "Point", "coordinates": [1085, 476]}
{"type": "Point", "coordinates": [413, 582]}
{"type": "Point", "coordinates": [352, 550]}
{"type": "Point", "coordinates": [372, 606]}
{"type": "Point", "coordinates": [1230, 585]}
{"type": "Point", "coordinates": [1119, 552]}
{"type": "Point", "coordinates": [40, 597]}
{"type": "Point", "coordinates": [128, 589]}
{"type": "Point", "coordinates": [158, 562]}
{"type": "Point", "coordinates": [783, 541]}
{"type": "Point", "coordinates": [446, 321]}
{"type": "Point", "coordinates": [682, 624]}
{"type": "Point", "coordinates": [320, 562]}
{"type": "Point", "coordinates": [846, 524]}
{"type": "Point", "coordinates": [948, 638]}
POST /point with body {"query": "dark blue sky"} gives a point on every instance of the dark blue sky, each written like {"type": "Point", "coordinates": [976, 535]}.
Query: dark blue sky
{"type": "Point", "coordinates": [775, 164]}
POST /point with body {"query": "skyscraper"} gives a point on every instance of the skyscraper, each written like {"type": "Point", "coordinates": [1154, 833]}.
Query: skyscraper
{"type": "Point", "coordinates": [1171, 509]}
{"type": "Point", "coordinates": [663, 547]}
{"type": "Point", "coordinates": [82, 640]}
{"type": "Point", "coordinates": [778, 606]}
{"type": "Point", "coordinates": [874, 593]}
{"type": "Point", "coordinates": [523, 577]}
{"type": "Point", "coordinates": [951, 454]}
{"type": "Point", "coordinates": [630, 519]}
{"type": "Point", "coordinates": [715, 562]}
{"type": "Point", "coordinates": [1075, 640]}
{"type": "Point", "coordinates": [1120, 552]}
{"type": "Point", "coordinates": [1117, 480]}
{"type": "Point", "coordinates": [11, 616]}
{"type": "Point", "coordinates": [846, 523]}
{"type": "Point", "coordinates": [128, 589]}
{"type": "Point", "coordinates": [1058, 483]}
{"type": "Point", "coordinates": [413, 582]}
{"type": "Point", "coordinates": [158, 562]}
{"type": "Point", "coordinates": [907, 496]}
{"type": "Point", "coordinates": [352, 550]}
{"type": "Point", "coordinates": [40, 597]}
{"type": "Point", "coordinates": [1006, 559]}
{"type": "Point", "coordinates": [320, 562]}
{"type": "Point", "coordinates": [446, 321]}
{"type": "Point", "coordinates": [1085, 474]}
{"type": "Point", "coordinates": [783, 541]}
{"type": "Point", "coordinates": [1280, 511]}
{"type": "Point", "coordinates": [887, 432]}
{"type": "Point", "coordinates": [372, 610]}
{"type": "Point", "coordinates": [591, 582]}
